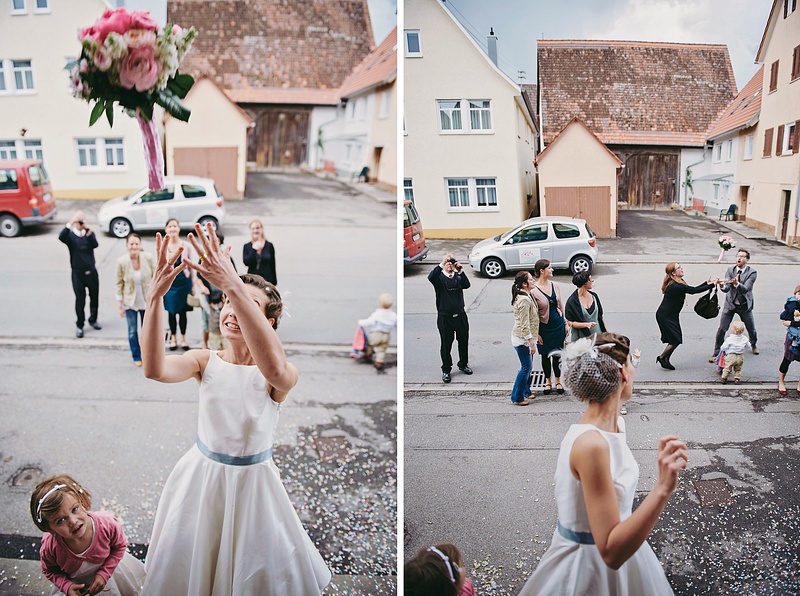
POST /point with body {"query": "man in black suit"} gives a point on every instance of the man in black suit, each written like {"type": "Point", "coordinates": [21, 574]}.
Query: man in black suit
{"type": "Point", "coordinates": [449, 281]}
{"type": "Point", "coordinates": [81, 242]}
{"type": "Point", "coordinates": [738, 288]}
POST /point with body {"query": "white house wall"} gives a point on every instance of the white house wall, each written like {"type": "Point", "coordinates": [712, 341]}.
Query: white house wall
{"type": "Point", "coordinates": [345, 141]}
{"type": "Point", "coordinates": [320, 116]}
{"type": "Point", "coordinates": [769, 178]}
{"type": "Point", "coordinates": [215, 122]}
{"type": "Point", "coordinates": [383, 133]}
{"type": "Point", "coordinates": [50, 113]}
{"type": "Point", "coordinates": [452, 67]}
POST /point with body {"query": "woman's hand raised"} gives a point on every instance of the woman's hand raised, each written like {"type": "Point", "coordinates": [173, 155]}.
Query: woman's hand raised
{"type": "Point", "coordinates": [215, 262]}
{"type": "Point", "coordinates": [672, 458]}
{"type": "Point", "coordinates": [165, 271]}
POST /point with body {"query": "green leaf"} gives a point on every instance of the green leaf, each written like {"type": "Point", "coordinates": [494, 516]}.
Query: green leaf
{"type": "Point", "coordinates": [170, 102]}
{"type": "Point", "coordinates": [110, 113]}
{"type": "Point", "coordinates": [180, 84]}
{"type": "Point", "coordinates": [97, 111]}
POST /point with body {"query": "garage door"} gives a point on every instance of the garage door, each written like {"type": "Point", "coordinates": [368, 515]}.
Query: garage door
{"type": "Point", "coordinates": [592, 203]}
{"type": "Point", "coordinates": [219, 163]}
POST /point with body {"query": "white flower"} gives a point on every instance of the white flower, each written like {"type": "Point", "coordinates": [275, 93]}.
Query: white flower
{"type": "Point", "coordinates": [116, 45]}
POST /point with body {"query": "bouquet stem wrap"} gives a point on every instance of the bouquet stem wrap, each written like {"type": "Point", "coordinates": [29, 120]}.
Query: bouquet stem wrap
{"type": "Point", "coordinates": [153, 155]}
{"type": "Point", "coordinates": [721, 254]}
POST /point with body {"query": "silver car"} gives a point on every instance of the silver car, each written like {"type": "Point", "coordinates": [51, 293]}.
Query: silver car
{"type": "Point", "coordinates": [188, 199]}
{"type": "Point", "coordinates": [566, 242]}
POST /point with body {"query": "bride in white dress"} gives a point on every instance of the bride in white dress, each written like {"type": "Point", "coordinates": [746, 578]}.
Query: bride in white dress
{"type": "Point", "coordinates": [225, 525]}
{"type": "Point", "coordinates": [599, 546]}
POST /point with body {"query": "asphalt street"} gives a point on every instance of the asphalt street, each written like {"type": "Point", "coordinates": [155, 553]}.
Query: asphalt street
{"type": "Point", "coordinates": [80, 406]}
{"type": "Point", "coordinates": [478, 472]}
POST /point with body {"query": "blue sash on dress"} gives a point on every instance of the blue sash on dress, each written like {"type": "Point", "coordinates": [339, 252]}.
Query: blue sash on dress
{"type": "Point", "coordinates": [233, 460]}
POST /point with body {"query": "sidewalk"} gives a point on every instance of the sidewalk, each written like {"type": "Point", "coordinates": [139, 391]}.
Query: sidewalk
{"type": "Point", "coordinates": [365, 188]}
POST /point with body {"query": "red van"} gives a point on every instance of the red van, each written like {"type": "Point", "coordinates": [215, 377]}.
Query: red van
{"type": "Point", "coordinates": [26, 197]}
{"type": "Point", "coordinates": [414, 248]}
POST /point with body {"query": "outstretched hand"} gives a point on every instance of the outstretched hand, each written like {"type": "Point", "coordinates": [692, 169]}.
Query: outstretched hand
{"type": "Point", "coordinates": [215, 261]}
{"type": "Point", "coordinates": [165, 272]}
{"type": "Point", "coordinates": [672, 458]}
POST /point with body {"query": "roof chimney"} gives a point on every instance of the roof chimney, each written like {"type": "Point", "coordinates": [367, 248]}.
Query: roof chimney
{"type": "Point", "coordinates": [491, 42]}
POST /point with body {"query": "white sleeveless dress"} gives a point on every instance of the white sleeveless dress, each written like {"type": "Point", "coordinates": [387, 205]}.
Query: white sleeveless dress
{"type": "Point", "coordinates": [570, 567]}
{"type": "Point", "coordinates": [229, 528]}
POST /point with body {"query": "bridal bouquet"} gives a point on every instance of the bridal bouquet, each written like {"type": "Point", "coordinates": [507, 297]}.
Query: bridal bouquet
{"type": "Point", "coordinates": [725, 243]}
{"type": "Point", "coordinates": [127, 58]}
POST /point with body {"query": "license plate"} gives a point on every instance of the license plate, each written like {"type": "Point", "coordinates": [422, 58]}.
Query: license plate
{"type": "Point", "coordinates": [415, 237]}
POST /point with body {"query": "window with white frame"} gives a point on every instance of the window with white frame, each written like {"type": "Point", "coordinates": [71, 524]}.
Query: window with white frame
{"type": "Point", "coordinates": [100, 154]}
{"type": "Point", "coordinates": [471, 194]}
{"type": "Point", "coordinates": [22, 71]}
{"type": "Point", "coordinates": [115, 152]}
{"type": "Point", "coordinates": [3, 87]}
{"type": "Point", "coordinates": [718, 152]}
{"type": "Point", "coordinates": [8, 150]}
{"type": "Point", "coordinates": [383, 108]}
{"type": "Point", "coordinates": [449, 115]}
{"type": "Point", "coordinates": [351, 109]}
{"type": "Point", "coordinates": [33, 149]}
{"type": "Point", "coordinates": [413, 45]}
{"type": "Point", "coordinates": [729, 150]}
{"type": "Point", "coordinates": [408, 189]}
{"type": "Point", "coordinates": [480, 115]}
{"type": "Point", "coordinates": [789, 6]}
{"type": "Point", "coordinates": [748, 147]}
{"type": "Point", "coordinates": [18, 7]}
{"type": "Point", "coordinates": [788, 139]}
{"type": "Point", "coordinates": [361, 108]}
{"type": "Point", "coordinates": [41, 6]}
{"type": "Point", "coordinates": [465, 115]}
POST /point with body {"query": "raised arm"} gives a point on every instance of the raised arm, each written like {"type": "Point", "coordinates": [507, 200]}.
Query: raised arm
{"type": "Point", "coordinates": [262, 341]}
{"type": "Point", "coordinates": [618, 540]}
{"type": "Point", "coordinates": [155, 364]}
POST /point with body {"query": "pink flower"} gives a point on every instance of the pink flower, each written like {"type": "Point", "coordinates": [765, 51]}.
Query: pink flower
{"type": "Point", "coordinates": [119, 21]}
{"type": "Point", "coordinates": [139, 69]}
{"type": "Point", "coordinates": [176, 30]}
{"type": "Point", "coordinates": [140, 38]}
{"type": "Point", "coordinates": [102, 58]}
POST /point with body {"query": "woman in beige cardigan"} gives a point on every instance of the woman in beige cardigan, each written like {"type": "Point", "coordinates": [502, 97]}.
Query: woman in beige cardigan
{"type": "Point", "coordinates": [523, 336]}
{"type": "Point", "coordinates": [134, 272]}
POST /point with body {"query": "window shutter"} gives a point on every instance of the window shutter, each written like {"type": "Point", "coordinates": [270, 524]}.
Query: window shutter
{"type": "Point", "coordinates": [773, 80]}
{"type": "Point", "coordinates": [796, 136]}
{"type": "Point", "coordinates": [796, 63]}
{"type": "Point", "coordinates": [786, 8]}
{"type": "Point", "coordinates": [768, 142]}
{"type": "Point", "coordinates": [794, 5]}
{"type": "Point", "coordinates": [779, 142]}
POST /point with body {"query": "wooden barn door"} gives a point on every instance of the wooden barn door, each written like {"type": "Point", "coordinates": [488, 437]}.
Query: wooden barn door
{"type": "Point", "coordinates": [648, 180]}
{"type": "Point", "coordinates": [219, 163]}
{"type": "Point", "coordinates": [280, 137]}
{"type": "Point", "coordinates": [592, 203]}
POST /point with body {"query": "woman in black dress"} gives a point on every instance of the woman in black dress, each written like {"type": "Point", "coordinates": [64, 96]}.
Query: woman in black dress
{"type": "Point", "coordinates": [552, 326]}
{"type": "Point", "coordinates": [259, 255]}
{"type": "Point", "coordinates": [668, 313]}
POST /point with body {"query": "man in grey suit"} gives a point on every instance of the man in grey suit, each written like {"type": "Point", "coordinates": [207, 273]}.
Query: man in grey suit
{"type": "Point", "coordinates": [738, 288]}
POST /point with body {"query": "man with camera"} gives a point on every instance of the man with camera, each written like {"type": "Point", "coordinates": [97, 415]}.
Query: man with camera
{"type": "Point", "coordinates": [738, 288]}
{"type": "Point", "coordinates": [81, 242]}
{"type": "Point", "coordinates": [449, 281]}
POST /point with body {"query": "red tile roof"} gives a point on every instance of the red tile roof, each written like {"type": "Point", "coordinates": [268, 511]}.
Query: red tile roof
{"type": "Point", "coordinates": [293, 48]}
{"type": "Point", "coordinates": [743, 111]}
{"type": "Point", "coordinates": [379, 67]}
{"type": "Point", "coordinates": [631, 92]}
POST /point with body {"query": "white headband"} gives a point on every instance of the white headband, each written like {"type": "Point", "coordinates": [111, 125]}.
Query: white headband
{"type": "Point", "coordinates": [47, 494]}
{"type": "Point", "coordinates": [446, 562]}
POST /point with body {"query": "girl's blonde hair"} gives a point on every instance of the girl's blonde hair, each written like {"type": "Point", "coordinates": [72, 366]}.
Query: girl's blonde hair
{"type": "Point", "coordinates": [48, 496]}
{"type": "Point", "coordinates": [668, 279]}
{"type": "Point", "coordinates": [385, 301]}
{"type": "Point", "coordinates": [737, 327]}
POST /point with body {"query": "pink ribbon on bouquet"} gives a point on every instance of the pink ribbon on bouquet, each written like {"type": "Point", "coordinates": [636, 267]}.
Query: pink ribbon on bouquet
{"type": "Point", "coordinates": [153, 155]}
{"type": "Point", "coordinates": [721, 254]}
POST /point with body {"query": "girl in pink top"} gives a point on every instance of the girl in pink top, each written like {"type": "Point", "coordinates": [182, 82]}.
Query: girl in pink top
{"type": "Point", "coordinates": [82, 552]}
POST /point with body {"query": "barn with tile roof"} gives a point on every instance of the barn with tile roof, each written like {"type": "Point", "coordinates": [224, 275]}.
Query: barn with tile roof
{"type": "Point", "coordinates": [646, 101]}
{"type": "Point", "coordinates": [278, 60]}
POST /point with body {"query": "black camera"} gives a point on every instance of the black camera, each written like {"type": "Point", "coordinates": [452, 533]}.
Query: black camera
{"type": "Point", "coordinates": [452, 261]}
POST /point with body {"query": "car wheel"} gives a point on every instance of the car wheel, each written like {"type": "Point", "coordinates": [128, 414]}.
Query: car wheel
{"type": "Point", "coordinates": [204, 220]}
{"type": "Point", "coordinates": [9, 225]}
{"type": "Point", "coordinates": [120, 227]}
{"type": "Point", "coordinates": [493, 268]}
{"type": "Point", "coordinates": [580, 263]}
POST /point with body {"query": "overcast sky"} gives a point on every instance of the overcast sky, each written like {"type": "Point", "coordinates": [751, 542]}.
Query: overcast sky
{"type": "Point", "coordinates": [739, 24]}
{"type": "Point", "coordinates": [381, 13]}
